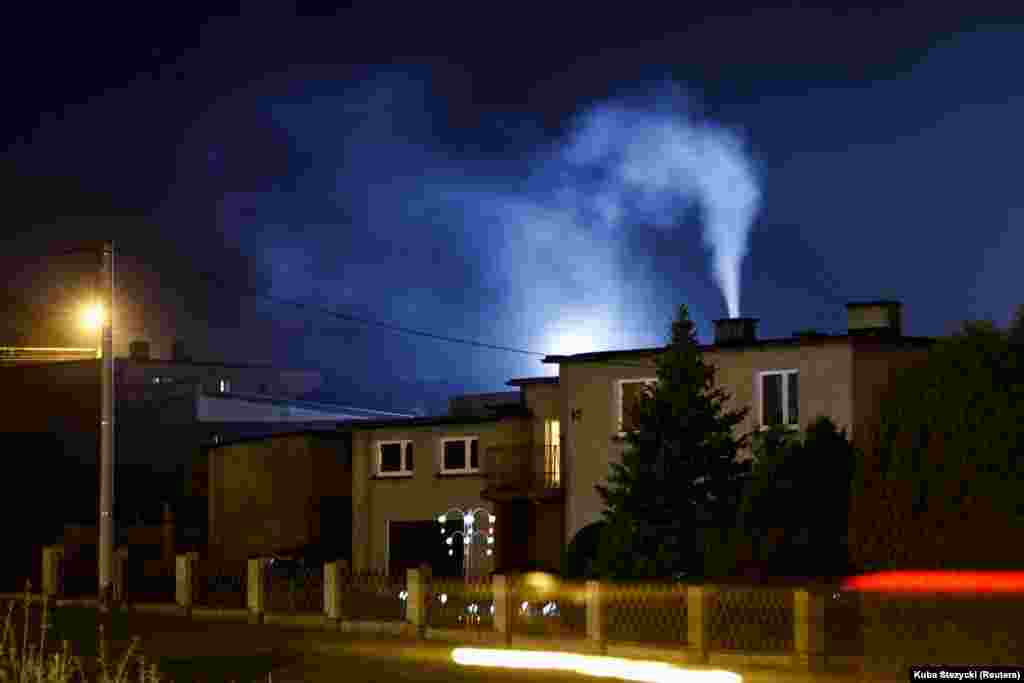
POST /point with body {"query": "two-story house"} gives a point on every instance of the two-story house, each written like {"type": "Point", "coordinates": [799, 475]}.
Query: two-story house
{"type": "Point", "coordinates": [523, 477]}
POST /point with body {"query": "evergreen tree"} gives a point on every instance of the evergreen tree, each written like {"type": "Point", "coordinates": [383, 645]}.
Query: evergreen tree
{"type": "Point", "coordinates": [679, 475]}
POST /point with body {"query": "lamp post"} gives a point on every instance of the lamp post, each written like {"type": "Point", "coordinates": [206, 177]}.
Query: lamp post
{"type": "Point", "coordinates": [106, 530]}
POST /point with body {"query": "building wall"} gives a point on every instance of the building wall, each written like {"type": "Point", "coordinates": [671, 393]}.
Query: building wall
{"type": "Point", "coordinates": [592, 443]}
{"type": "Point", "coordinates": [264, 494]}
{"type": "Point", "coordinates": [376, 501]}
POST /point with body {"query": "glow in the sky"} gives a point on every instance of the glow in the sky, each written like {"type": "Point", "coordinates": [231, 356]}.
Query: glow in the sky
{"type": "Point", "coordinates": [589, 665]}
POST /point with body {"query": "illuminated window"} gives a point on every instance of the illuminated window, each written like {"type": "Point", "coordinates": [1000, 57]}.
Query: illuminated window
{"type": "Point", "coordinates": [225, 386]}
{"type": "Point", "coordinates": [460, 455]}
{"type": "Point", "coordinates": [394, 458]}
{"type": "Point", "coordinates": [780, 398]}
{"type": "Point", "coordinates": [628, 392]}
{"type": "Point", "coordinates": [552, 460]}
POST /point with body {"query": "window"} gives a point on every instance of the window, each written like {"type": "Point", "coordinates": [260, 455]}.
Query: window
{"type": "Point", "coordinates": [394, 458]}
{"type": "Point", "coordinates": [780, 398]}
{"type": "Point", "coordinates": [628, 393]}
{"type": "Point", "coordinates": [460, 454]}
{"type": "Point", "coordinates": [552, 461]}
{"type": "Point", "coordinates": [225, 386]}
{"type": "Point", "coordinates": [162, 380]}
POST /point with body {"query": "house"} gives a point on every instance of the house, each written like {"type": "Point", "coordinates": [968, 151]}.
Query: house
{"type": "Point", "coordinates": [168, 410]}
{"type": "Point", "coordinates": [270, 494]}
{"type": "Point", "coordinates": [526, 472]}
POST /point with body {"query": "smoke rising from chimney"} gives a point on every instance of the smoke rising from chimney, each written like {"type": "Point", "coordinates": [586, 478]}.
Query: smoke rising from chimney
{"type": "Point", "coordinates": [653, 159]}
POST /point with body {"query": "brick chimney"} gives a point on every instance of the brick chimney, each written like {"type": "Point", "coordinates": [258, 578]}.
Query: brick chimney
{"type": "Point", "coordinates": [139, 350]}
{"type": "Point", "coordinates": [875, 318]}
{"type": "Point", "coordinates": [735, 331]}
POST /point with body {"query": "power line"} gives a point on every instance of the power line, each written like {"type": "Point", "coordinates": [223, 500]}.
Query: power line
{"type": "Point", "coordinates": [212, 278]}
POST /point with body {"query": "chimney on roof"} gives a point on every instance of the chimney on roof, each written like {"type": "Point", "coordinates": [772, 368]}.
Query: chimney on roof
{"type": "Point", "coordinates": [735, 331]}
{"type": "Point", "coordinates": [178, 351]}
{"type": "Point", "coordinates": [875, 318]}
{"type": "Point", "coordinates": [138, 350]}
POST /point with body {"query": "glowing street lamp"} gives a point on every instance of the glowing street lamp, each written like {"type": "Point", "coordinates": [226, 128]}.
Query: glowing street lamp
{"type": "Point", "coordinates": [92, 317]}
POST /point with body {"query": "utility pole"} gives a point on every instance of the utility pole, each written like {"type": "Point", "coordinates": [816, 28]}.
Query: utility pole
{"type": "Point", "coordinates": [106, 530]}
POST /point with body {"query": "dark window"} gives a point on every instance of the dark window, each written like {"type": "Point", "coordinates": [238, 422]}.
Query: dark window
{"type": "Point", "coordinates": [391, 457]}
{"type": "Point", "coordinates": [631, 393]}
{"type": "Point", "coordinates": [455, 455]}
{"type": "Point", "coordinates": [408, 456]}
{"type": "Point", "coordinates": [771, 400]}
{"type": "Point", "coordinates": [780, 398]}
{"type": "Point", "coordinates": [793, 398]}
{"type": "Point", "coordinates": [474, 457]}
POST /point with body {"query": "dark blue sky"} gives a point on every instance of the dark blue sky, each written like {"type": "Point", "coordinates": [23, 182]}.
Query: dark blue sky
{"type": "Point", "coordinates": [492, 175]}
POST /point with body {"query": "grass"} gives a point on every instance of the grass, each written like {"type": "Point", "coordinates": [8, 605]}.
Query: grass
{"type": "Point", "coordinates": [49, 658]}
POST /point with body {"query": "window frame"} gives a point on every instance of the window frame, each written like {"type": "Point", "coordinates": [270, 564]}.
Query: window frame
{"type": "Point", "coordinates": [404, 470]}
{"type": "Point", "coordinates": [619, 411]}
{"type": "Point", "coordinates": [785, 373]}
{"type": "Point", "coordinates": [467, 440]}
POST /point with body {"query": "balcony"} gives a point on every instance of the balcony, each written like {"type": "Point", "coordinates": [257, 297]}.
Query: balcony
{"type": "Point", "coordinates": [523, 472]}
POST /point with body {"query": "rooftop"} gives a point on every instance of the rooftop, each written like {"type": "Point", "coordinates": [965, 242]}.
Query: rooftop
{"type": "Point", "coordinates": [524, 381]}
{"type": "Point", "coordinates": [859, 339]}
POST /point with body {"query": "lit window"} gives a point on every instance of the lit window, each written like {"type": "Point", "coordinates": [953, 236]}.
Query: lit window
{"type": "Point", "coordinates": [552, 461]}
{"type": "Point", "coordinates": [629, 392]}
{"type": "Point", "coordinates": [394, 458]}
{"type": "Point", "coordinates": [780, 398]}
{"type": "Point", "coordinates": [460, 455]}
{"type": "Point", "coordinates": [156, 380]}
{"type": "Point", "coordinates": [225, 386]}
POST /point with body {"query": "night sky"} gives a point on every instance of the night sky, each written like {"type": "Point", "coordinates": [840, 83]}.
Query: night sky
{"type": "Point", "coordinates": [550, 182]}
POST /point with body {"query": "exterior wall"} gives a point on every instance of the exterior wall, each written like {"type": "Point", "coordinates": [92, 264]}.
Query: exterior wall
{"type": "Point", "coordinates": [263, 494]}
{"type": "Point", "coordinates": [376, 501]}
{"type": "Point", "coordinates": [875, 366]}
{"type": "Point", "coordinates": [591, 442]}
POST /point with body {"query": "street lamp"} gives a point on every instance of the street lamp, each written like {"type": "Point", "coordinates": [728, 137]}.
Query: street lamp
{"type": "Point", "coordinates": [92, 316]}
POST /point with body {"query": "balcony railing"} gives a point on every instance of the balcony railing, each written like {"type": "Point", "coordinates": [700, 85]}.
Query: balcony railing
{"type": "Point", "coordinates": [523, 470]}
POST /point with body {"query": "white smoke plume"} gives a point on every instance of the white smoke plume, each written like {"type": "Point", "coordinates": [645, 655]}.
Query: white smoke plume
{"type": "Point", "coordinates": [633, 163]}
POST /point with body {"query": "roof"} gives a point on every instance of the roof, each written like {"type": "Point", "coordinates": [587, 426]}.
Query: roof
{"type": "Point", "coordinates": [436, 421]}
{"type": "Point", "coordinates": [524, 381]}
{"type": "Point", "coordinates": [859, 339]}
{"type": "Point", "coordinates": [311, 405]}
{"type": "Point", "coordinates": [330, 432]}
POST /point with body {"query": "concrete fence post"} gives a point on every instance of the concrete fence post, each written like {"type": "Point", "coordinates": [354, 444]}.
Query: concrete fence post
{"type": "Point", "coordinates": [185, 567]}
{"type": "Point", "coordinates": [53, 555]}
{"type": "Point", "coordinates": [256, 589]}
{"type": "Point", "coordinates": [335, 574]}
{"type": "Point", "coordinates": [503, 608]}
{"type": "Point", "coordinates": [417, 585]}
{"type": "Point", "coordinates": [118, 572]}
{"type": "Point", "coordinates": [596, 615]}
{"type": "Point", "coordinates": [809, 629]}
{"type": "Point", "coordinates": [699, 603]}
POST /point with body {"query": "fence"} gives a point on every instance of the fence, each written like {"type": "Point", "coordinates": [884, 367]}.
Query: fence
{"type": "Point", "coordinates": [803, 627]}
{"type": "Point", "coordinates": [218, 583]}
{"type": "Point", "coordinates": [543, 606]}
{"type": "Point", "coordinates": [374, 596]}
{"type": "Point", "coordinates": [647, 612]}
{"type": "Point", "coordinates": [294, 589]}
{"type": "Point", "coordinates": [148, 580]}
{"type": "Point", "coordinates": [461, 603]}
{"type": "Point", "coordinates": [744, 618]}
